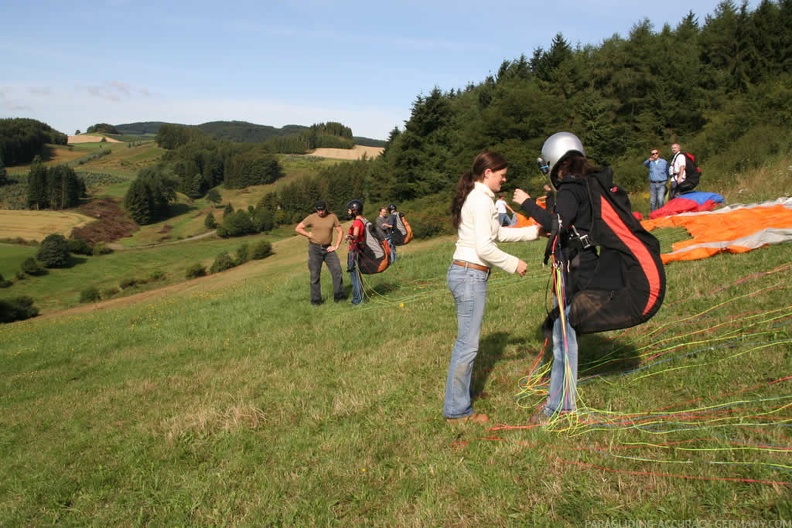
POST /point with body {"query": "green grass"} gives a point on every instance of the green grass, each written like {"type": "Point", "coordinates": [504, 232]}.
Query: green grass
{"type": "Point", "coordinates": [236, 403]}
{"type": "Point", "coordinates": [60, 288]}
{"type": "Point", "coordinates": [230, 401]}
{"type": "Point", "coordinates": [12, 256]}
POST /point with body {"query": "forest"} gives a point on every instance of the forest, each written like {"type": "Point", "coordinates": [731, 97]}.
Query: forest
{"type": "Point", "coordinates": [721, 87]}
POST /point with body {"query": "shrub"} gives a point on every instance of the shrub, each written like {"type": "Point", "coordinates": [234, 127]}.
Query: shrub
{"type": "Point", "coordinates": [235, 224]}
{"type": "Point", "coordinates": [222, 263]}
{"type": "Point", "coordinates": [54, 251]}
{"type": "Point", "coordinates": [243, 253]}
{"type": "Point", "coordinates": [90, 294]}
{"type": "Point", "coordinates": [194, 271]}
{"type": "Point", "coordinates": [4, 283]}
{"type": "Point", "coordinates": [128, 283]}
{"type": "Point", "coordinates": [261, 249]}
{"type": "Point", "coordinates": [102, 249]}
{"type": "Point", "coordinates": [32, 267]}
{"type": "Point", "coordinates": [109, 292]}
{"type": "Point", "coordinates": [210, 222]}
{"type": "Point", "coordinates": [78, 246]}
{"type": "Point", "coordinates": [156, 276]}
{"type": "Point", "coordinates": [17, 309]}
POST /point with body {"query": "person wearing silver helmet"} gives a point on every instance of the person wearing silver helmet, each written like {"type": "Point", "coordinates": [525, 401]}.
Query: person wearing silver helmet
{"type": "Point", "coordinates": [569, 223]}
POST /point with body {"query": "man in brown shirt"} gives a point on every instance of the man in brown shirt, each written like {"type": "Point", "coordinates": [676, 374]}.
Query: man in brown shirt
{"type": "Point", "coordinates": [321, 249]}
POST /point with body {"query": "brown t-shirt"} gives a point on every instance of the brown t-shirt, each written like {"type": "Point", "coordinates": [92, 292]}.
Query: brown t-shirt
{"type": "Point", "coordinates": [321, 228]}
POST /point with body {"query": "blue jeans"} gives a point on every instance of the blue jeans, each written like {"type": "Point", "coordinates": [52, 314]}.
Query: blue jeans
{"type": "Point", "coordinates": [657, 192]}
{"type": "Point", "coordinates": [392, 247]}
{"type": "Point", "coordinates": [354, 277]}
{"type": "Point", "coordinates": [469, 288]}
{"type": "Point", "coordinates": [563, 374]}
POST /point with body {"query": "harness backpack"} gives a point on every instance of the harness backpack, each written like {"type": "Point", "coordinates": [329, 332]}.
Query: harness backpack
{"type": "Point", "coordinates": [402, 232]}
{"type": "Point", "coordinates": [692, 173]}
{"type": "Point", "coordinates": [628, 285]}
{"type": "Point", "coordinates": [373, 254]}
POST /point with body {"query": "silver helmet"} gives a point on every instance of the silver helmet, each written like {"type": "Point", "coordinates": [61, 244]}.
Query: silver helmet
{"type": "Point", "coordinates": [555, 148]}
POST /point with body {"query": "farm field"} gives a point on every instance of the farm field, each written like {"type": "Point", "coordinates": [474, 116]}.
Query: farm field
{"type": "Point", "coordinates": [36, 225]}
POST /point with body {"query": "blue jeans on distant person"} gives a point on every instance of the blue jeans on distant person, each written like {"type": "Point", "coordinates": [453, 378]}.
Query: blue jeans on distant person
{"type": "Point", "coordinates": [657, 192]}
{"type": "Point", "coordinates": [392, 247]}
{"type": "Point", "coordinates": [563, 375]}
{"type": "Point", "coordinates": [469, 288]}
{"type": "Point", "coordinates": [354, 277]}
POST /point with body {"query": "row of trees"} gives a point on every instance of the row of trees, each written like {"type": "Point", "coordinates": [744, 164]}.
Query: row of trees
{"type": "Point", "coordinates": [56, 187]}
{"type": "Point", "coordinates": [723, 89]}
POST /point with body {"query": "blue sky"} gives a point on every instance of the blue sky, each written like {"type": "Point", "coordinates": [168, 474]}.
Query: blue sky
{"type": "Point", "coordinates": [75, 64]}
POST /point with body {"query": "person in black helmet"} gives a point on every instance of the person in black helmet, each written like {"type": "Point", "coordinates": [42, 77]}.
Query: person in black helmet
{"type": "Point", "coordinates": [321, 249]}
{"type": "Point", "coordinates": [355, 237]}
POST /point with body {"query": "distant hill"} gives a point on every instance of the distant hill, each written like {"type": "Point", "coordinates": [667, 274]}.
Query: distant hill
{"type": "Point", "coordinates": [235, 131]}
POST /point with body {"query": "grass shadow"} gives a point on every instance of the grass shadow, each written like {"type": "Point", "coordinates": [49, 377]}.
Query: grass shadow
{"type": "Point", "coordinates": [600, 355]}
{"type": "Point", "coordinates": [178, 209]}
{"type": "Point", "coordinates": [385, 288]}
{"type": "Point", "coordinates": [491, 350]}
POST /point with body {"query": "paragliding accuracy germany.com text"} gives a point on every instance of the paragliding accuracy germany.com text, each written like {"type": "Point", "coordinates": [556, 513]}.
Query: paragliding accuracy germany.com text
{"type": "Point", "coordinates": [689, 523]}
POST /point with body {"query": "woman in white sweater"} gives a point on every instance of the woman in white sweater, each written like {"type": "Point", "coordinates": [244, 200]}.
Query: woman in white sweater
{"type": "Point", "coordinates": [474, 216]}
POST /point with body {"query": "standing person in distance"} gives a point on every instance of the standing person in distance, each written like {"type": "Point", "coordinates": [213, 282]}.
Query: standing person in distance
{"type": "Point", "coordinates": [501, 207]}
{"type": "Point", "coordinates": [677, 169]}
{"type": "Point", "coordinates": [321, 249]}
{"type": "Point", "coordinates": [355, 237]}
{"type": "Point", "coordinates": [658, 175]}
{"type": "Point", "coordinates": [570, 219]}
{"type": "Point", "coordinates": [474, 216]}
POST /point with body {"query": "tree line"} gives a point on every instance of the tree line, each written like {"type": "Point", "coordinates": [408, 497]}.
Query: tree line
{"type": "Point", "coordinates": [722, 89]}
{"type": "Point", "coordinates": [22, 139]}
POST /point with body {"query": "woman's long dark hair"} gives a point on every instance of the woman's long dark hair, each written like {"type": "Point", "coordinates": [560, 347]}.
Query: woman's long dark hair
{"type": "Point", "coordinates": [576, 166]}
{"type": "Point", "coordinates": [485, 160]}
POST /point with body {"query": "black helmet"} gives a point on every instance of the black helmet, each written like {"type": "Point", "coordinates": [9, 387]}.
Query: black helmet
{"type": "Point", "coordinates": [356, 206]}
{"type": "Point", "coordinates": [391, 208]}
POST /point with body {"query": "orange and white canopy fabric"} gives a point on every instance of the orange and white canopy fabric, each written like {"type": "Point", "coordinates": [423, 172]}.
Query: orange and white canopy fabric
{"type": "Point", "coordinates": [736, 228]}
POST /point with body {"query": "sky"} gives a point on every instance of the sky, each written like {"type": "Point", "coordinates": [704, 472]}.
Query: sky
{"type": "Point", "coordinates": [277, 62]}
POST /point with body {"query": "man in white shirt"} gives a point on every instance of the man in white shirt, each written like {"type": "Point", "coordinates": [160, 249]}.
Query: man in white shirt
{"type": "Point", "coordinates": [501, 206]}
{"type": "Point", "coordinates": [676, 170]}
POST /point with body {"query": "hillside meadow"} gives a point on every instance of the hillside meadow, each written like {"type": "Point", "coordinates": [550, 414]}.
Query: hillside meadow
{"type": "Point", "coordinates": [228, 400]}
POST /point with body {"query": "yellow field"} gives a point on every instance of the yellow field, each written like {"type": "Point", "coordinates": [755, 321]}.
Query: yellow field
{"type": "Point", "coordinates": [36, 225]}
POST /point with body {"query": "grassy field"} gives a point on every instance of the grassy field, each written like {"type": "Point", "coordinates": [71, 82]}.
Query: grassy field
{"type": "Point", "coordinates": [230, 401]}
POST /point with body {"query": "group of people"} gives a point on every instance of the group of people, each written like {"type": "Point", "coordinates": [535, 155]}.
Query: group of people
{"type": "Point", "coordinates": [318, 228]}
{"type": "Point", "coordinates": [481, 222]}
{"type": "Point", "coordinates": [660, 171]}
